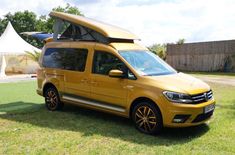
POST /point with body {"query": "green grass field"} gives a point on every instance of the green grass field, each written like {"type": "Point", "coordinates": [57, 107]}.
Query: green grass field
{"type": "Point", "coordinates": [26, 127]}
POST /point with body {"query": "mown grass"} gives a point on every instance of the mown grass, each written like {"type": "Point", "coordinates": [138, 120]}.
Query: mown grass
{"type": "Point", "coordinates": [26, 127]}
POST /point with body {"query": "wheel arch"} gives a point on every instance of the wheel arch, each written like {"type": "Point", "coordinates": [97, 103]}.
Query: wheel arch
{"type": "Point", "coordinates": [46, 86]}
{"type": "Point", "coordinates": [142, 99]}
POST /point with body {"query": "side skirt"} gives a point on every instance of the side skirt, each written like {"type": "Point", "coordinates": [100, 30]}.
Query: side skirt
{"type": "Point", "coordinates": [89, 102]}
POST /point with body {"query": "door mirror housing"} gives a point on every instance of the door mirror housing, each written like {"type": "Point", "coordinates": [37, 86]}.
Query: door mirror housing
{"type": "Point", "coordinates": [116, 73]}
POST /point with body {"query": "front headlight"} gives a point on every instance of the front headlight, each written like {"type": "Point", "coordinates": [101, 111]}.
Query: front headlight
{"type": "Point", "coordinates": [177, 97]}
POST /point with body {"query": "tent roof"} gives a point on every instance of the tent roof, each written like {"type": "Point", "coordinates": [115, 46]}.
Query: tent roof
{"type": "Point", "coordinates": [12, 43]}
{"type": "Point", "coordinates": [107, 30]}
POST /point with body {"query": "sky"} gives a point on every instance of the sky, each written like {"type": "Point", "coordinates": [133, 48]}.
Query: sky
{"type": "Point", "coordinates": [153, 21]}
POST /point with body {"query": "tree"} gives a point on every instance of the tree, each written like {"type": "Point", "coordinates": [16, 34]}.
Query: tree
{"type": "Point", "coordinates": [33, 55]}
{"type": "Point", "coordinates": [159, 49]}
{"type": "Point", "coordinates": [47, 22]}
{"type": "Point", "coordinates": [180, 41]}
{"type": "Point", "coordinates": [41, 24]}
{"type": "Point", "coordinates": [68, 9]}
{"type": "Point", "coordinates": [22, 22]}
{"type": "Point", "coordinates": [3, 25]}
{"type": "Point", "coordinates": [28, 21]}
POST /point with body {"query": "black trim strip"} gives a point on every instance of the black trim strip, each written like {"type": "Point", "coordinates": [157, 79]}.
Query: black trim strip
{"type": "Point", "coordinates": [86, 101]}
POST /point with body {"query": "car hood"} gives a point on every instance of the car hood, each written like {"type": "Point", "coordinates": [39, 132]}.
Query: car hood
{"type": "Point", "coordinates": [179, 82]}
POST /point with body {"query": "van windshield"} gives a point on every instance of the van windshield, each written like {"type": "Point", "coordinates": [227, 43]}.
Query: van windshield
{"type": "Point", "coordinates": [146, 63]}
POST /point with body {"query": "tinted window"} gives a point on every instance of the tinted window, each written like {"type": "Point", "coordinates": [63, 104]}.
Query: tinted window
{"type": "Point", "coordinates": [62, 58]}
{"type": "Point", "coordinates": [53, 58]}
{"type": "Point", "coordinates": [103, 62]}
{"type": "Point", "coordinates": [75, 59]}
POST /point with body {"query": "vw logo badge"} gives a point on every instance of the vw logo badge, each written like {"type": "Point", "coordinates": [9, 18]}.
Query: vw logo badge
{"type": "Point", "coordinates": [206, 96]}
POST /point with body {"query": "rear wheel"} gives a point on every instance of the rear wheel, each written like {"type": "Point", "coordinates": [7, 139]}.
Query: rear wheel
{"type": "Point", "coordinates": [147, 118]}
{"type": "Point", "coordinates": [52, 99]}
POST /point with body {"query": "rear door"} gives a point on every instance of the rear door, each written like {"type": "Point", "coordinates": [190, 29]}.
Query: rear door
{"type": "Point", "coordinates": [76, 71]}
{"type": "Point", "coordinates": [52, 64]}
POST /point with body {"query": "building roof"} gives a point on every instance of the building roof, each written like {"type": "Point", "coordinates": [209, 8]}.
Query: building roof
{"type": "Point", "coordinates": [12, 43]}
{"type": "Point", "coordinates": [107, 30]}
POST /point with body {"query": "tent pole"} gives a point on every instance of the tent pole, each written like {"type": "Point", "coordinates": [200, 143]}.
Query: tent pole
{"type": "Point", "coordinates": [3, 67]}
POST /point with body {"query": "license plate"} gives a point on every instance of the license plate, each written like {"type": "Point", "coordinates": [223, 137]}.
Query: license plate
{"type": "Point", "coordinates": [209, 108]}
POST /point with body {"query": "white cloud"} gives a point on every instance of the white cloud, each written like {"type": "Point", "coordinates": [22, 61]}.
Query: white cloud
{"type": "Point", "coordinates": [168, 21]}
{"type": "Point", "coordinates": [155, 21]}
{"type": "Point", "coordinates": [37, 6]}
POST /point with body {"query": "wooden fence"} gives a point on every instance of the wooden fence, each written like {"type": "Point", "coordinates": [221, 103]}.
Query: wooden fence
{"type": "Point", "coordinates": [203, 56]}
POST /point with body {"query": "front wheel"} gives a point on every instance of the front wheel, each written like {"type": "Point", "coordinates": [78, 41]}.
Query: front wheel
{"type": "Point", "coordinates": [147, 118]}
{"type": "Point", "coordinates": [52, 99]}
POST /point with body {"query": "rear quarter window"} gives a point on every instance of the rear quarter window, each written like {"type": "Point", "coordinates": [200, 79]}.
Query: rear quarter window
{"type": "Point", "coordinates": [65, 58]}
{"type": "Point", "coordinates": [53, 58]}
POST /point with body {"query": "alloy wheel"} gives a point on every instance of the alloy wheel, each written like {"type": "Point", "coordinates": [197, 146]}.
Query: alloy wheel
{"type": "Point", "coordinates": [52, 99]}
{"type": "Point", "coordinates": [145, 119]}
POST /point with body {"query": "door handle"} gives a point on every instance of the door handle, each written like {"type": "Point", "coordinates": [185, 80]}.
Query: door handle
{"type": "Point", "coordinates": [130, 87]}
{"type": "Point", "coordinates": [94, 83]}
{"type": "Point", "coordinates": [84, 80]}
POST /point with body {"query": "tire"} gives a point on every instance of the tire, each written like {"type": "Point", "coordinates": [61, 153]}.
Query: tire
{"type": "Point", "coordinates": [52, 99]}
{"type": "Point", "coordinates": [147, 118]}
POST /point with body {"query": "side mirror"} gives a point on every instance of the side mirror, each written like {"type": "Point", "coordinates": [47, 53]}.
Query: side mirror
{"type": "Point", "coordinates": [116, 73]}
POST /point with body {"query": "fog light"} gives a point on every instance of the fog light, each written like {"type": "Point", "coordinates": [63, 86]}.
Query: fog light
{"type": "Point", "coordinates": [180, 118]}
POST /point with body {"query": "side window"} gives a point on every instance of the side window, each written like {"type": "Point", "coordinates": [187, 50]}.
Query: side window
{"type": "Point", "coordinates": [103, 62]}
{"type": "Point", "coordinates": [65, 58]}
{"type": "Point", "coordinates": [53, 58]}
{"type": "Point", "coordinates": [75, 59]}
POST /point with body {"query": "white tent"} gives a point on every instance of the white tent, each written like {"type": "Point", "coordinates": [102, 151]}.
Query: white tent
{"type": "Point", "coordinates": [12, 44]}
{"type": "Point", "coordinates": [3, 67]}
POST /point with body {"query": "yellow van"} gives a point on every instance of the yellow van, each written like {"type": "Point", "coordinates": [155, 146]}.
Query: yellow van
{"type": "Point", "coordinates": [99, 66]}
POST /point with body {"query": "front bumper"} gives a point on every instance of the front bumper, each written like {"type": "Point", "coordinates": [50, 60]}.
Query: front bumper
{"type": "Point", "coordinates": [193, 114]}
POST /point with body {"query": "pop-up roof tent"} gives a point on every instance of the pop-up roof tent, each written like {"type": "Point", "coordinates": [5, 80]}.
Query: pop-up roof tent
{"type": "Point", "coordinates": [76, 27]}
{"type": "Point", "coordinates": [12, 44]}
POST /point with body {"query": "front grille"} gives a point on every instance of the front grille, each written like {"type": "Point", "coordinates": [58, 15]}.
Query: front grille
{"type": "Point", "coordinates": [202, 117]}
{"type": "Point", "coordinates": [202, 97]}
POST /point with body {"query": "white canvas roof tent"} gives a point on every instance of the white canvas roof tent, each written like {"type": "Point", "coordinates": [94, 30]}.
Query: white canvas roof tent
{"type": "Point", "coordinates": [12, 44]}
